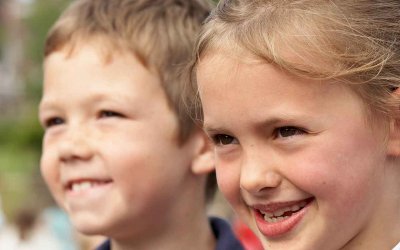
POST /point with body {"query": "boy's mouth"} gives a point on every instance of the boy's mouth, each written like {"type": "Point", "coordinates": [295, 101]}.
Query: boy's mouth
{"type": "Point", "coordinates": [81, 185]}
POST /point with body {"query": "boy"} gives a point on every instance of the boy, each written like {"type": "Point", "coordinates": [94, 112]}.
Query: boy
{"type": "Point", "coordinates": [309, 157]}
{"type": "Point", "coordinates": [119, 155]}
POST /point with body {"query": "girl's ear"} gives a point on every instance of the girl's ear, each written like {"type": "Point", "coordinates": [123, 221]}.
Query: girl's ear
{"type": "Point", "coordinates": [394, 132]}
{"type": "Point", "coordinates": [203, 162]}
{"type": "Point", "coordinates": [393, 147]}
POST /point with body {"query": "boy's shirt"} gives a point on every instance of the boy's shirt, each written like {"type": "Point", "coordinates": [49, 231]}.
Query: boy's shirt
{"type": "Point", "coordinates": [223, 233]}
{"type": "Point", "coordinates": [226, 240]}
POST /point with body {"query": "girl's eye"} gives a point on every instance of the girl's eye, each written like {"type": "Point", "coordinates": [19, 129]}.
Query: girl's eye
{"type": "Point", "coordinates": [222, 139]}
{"type": "Point", "coordinates": [288, 131]}
{"type": "Point", "coordinates": [53, 122]}
{"type": "Point", "coordinates": [108, 113]}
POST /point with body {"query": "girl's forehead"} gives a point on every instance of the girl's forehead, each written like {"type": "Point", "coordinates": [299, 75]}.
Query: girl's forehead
{"type": "Point", "coordinates": [220, 56]}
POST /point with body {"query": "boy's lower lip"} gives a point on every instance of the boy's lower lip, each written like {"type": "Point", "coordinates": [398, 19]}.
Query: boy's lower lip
{"type": "Point", "coordinates": [279, 228]}
{"type": "Point", "coordinates": [88, 196]}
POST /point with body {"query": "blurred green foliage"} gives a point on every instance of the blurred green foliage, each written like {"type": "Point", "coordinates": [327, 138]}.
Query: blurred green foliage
{"type": "Point", "coordinates": [20, 133]}
{"type": "Point", "coordinates": [44, 13]}
{"type": "Point", "coordinates": [2, 28]}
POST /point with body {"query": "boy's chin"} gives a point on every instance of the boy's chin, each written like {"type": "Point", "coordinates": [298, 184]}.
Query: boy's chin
{"type": "Point", "coordinates": [88, 224]}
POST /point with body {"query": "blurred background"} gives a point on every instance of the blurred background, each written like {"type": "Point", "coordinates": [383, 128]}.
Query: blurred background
{"type": "Point", "coordinates": [23, 27]}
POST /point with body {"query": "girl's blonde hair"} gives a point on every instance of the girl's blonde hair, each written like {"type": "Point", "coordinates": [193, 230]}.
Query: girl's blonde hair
{"type": "Point", "coordinates": [356, 42]}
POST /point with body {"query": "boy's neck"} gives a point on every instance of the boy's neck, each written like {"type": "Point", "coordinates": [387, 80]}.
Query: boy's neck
{"type": "Point", "coordinates": [186, 225]}
{"type": "Point", "coordinates": [195, 235]}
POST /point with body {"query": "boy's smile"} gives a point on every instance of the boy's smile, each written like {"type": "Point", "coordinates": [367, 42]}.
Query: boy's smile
{"type": "Point", "coordinates": [76, 186]}
{"type": "Point", "coordinates": [87, 188]}
{"type": "Point", "coordinates": [298, 159]}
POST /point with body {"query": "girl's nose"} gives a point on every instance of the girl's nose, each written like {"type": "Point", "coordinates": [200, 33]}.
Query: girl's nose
{"type": "Point", "coordinates": [259, 173]}
{"type": "Point", "coordinates": [76, 144]}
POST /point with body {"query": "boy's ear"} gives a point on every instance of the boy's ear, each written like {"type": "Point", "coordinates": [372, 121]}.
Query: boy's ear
{"type": "Point", "coordinates": [203, 162]}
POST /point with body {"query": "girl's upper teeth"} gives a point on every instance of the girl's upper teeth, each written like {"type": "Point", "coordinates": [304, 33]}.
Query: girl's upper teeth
{"type": "Point", "coordinates": [281, 211]}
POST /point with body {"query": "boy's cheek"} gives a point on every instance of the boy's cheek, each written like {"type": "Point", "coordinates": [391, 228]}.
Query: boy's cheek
{"type": "Point", "coordinates": [50, 174]}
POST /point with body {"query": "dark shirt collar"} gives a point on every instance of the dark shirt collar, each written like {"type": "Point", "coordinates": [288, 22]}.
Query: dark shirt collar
{"type": "Point", "coordinates": [226, 240]}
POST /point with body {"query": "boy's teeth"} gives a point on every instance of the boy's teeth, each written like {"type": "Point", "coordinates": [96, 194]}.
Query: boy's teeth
{"type": "Point", "coordinates": [81, 186]}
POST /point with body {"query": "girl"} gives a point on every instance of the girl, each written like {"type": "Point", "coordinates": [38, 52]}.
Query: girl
{"type": "Point", "coordinates": [301, 100]}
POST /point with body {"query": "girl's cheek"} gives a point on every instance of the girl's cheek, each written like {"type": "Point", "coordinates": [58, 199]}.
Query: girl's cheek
{"type": "Point", "coordinates": [228, 181]}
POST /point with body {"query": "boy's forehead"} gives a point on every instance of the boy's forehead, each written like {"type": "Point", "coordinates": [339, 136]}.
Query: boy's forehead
{"type": "Point", "coordinates": [105, 48]}
{"type": "Point", "coordinates": [87, 62]}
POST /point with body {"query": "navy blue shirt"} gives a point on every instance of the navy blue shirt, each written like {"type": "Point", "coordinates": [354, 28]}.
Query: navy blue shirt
{"type": "Point", "coordinates": [226, 240]}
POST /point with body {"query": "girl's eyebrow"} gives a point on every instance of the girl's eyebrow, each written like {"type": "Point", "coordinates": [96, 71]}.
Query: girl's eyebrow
{"type": "Point", "coordinates": [271, 121]}
{"type": "Point", "coordinates": [210, 129]}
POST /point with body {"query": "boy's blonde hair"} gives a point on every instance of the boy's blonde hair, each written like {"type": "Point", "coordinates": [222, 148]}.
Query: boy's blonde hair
{"type": "Point", "coordinates": [160, 33]}
{"type": "Point", "coordinates": [356, 42]}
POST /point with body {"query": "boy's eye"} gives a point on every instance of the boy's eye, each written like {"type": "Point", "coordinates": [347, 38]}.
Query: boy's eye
{"type": "Point", "coordinates": [53, 122]}
{"type": "Point", "coordinates": [223, 139]}
{"type": "Point", "coordinates": [288, 131]}
{"type": "Point", "coordinates": [109, 113]}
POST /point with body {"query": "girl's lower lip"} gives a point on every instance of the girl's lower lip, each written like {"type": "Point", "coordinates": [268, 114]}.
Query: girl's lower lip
{"type": "Point", "coordinates": [277, 229]}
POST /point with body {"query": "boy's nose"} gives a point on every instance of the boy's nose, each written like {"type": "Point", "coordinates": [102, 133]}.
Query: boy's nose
{"type": "Point", "coordinates": [259, 173]}
{"type": "Point", "coordinates": [75, 145]}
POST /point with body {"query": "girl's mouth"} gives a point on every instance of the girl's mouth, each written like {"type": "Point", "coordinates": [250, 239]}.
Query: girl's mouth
{"type": "Point", "coordinates": [274, 220]}
{"type": "Point", "coordinates": [283, 213]}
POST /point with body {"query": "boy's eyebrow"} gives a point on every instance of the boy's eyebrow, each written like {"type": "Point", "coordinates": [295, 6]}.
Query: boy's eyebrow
{"type": "Point", "coordinates": [48, 103]}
